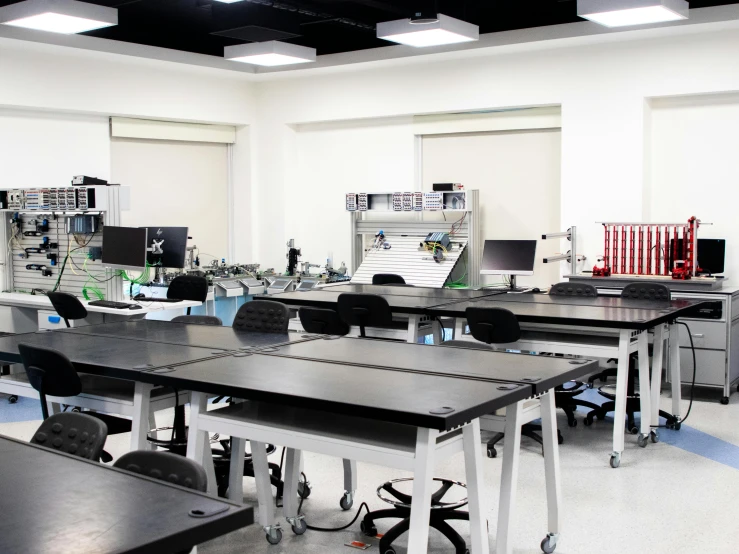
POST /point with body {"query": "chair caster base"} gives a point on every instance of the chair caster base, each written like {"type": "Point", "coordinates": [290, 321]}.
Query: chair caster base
{"type": "Point", "coordinates": [725, 400]}
{"type": "Point", "coordinates": [369, 530]}
{"type": "Point", "coordinates": [492, 452]}
{"type": "Point", "coordinates": [12, 399]}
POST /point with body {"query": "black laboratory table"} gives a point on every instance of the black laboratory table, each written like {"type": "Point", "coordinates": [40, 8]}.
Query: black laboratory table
{"type": "Point", "coordinates": [54, 502]}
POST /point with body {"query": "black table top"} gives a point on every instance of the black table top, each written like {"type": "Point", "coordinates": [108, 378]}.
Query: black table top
{"type": "Point", "coordinates": [54, 502]}
{"type": "Point", "coordinates": [112, 357]}
{"type": "Point", "coordinates": [604, 313]}
{"type": "Point", "coordinates": [425, 292]}
{"type": "Point", "coordinates": [541, 373]}
{"type": "Point", "coordinates": [206, 336]}
{"type": "Point", "coordinates": [327, 298]}
{"type": "Point", "coordinates": [377, 393]}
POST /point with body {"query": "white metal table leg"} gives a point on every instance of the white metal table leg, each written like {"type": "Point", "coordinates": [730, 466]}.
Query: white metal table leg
{"type": "Point", "coordinates": [350, 478]}
{"type": "Point", "coordinates": [675, 378]}
{"type": "Point", "coordinates": [644, 388]}
{"type": "Point", "coordinates": [413, 320]}
{"type": "Point", "coordinates": [509, 477]}
{"type": "Point", "coordinates": [658, 357]}
{"type": "Point", "coordinates": [459, 325]}
{"type": "Point", "coordinates": [236, 470]}
{"type": "Point", "coordinates": [140, 423]}
{"type": "Point", "coordinates": [264, 487]}
{"type": "Point", "coordinates": [210, 469]}
{"type": "Point", "coordinates": [480, 544]}
{"type": "Point", "coordinates": [196, 438]}
{"type": "Point", "coordinates": [437, 332]}
{"type": "Point", "coordinates": [551, 465]}
{"type": "Point", "coordinates": [418, 537]}
{"type": "Point", "coordinates": [290, 490]}
{"type": "Point", "coordinates": [622, 375]}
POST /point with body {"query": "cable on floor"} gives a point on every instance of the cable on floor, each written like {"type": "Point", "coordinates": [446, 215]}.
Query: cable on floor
{"type": "Point", "coordinates": [330, 530]}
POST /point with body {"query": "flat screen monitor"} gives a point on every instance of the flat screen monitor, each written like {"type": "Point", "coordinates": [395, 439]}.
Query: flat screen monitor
{"type": "Point", "coordinates": [124, 247]}
{"type": "Point", "coordinates": [174, 246]}
{"type": "Point", "coordinates": [711, 255]}
{"type": "Point", "coordinates": [508, 257]}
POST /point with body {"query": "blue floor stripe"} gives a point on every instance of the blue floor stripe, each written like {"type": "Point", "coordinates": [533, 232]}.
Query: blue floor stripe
{"type": "Point", "coordinates": [26, 409]}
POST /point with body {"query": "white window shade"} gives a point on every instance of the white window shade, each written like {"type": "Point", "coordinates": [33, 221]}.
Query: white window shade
{"type": "Point", "coordinates": [121, 127]}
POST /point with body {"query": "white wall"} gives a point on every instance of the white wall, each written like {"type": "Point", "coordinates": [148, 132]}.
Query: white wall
{"type": "Point", "coordinates": [602, 89]}
{"type": "Point", "coordinates": [517, 174]}
{"type": "Point", "coordinates": [695, 167]}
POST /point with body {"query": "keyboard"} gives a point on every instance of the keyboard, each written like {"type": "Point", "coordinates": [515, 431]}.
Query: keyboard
{"type": "Point", "coordinates": [147, 299]}
{"type": "Point", "coordinates": [110, 304]}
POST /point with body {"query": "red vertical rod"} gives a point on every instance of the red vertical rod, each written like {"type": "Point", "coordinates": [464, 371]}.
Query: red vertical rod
{"type": "Point", "coordinates": [614, 266]}
{"type": "Point", "coordinates": [675, 253]}
{"type": "Point", "coordinates": [649, 250]}
{"type": "Point", "coordinates": [607, 248]}
{"type": "Point", "coordinates": [658, 252]}
{"type": "Point", "coordinates": [623, 249]}
{"type": "Point", "coordinates": [632, 253]}
{"type": "Point", "coordinates": [685, 243]}
{"type": "Point", "coordinates": [640, 253]}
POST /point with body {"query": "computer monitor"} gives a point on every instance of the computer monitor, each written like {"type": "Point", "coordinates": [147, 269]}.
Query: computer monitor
{"type": "Point", "coordinates": [174, 246]}
{"type": "Point", "coordinates": [124, 247]}
{"type": "Point", "coordinates": [509, 257]}
{"type": "Point", "coordinates": [711, 255]}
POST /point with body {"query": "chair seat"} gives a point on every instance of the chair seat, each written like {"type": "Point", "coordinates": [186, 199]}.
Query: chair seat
{"type": "Point", "coordinates": [116, 425]}
{"type": "Point", "coordinates": [609, 391]}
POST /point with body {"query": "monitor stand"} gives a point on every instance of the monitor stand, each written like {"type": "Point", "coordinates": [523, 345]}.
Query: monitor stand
{"type": "Point", "coordinates": [512, 286]}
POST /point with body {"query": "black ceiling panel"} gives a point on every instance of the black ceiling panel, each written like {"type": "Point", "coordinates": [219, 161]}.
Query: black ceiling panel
{"type": "Point", "coordinates": [330, 26]}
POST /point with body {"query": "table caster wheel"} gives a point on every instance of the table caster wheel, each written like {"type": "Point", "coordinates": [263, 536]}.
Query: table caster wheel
{"type": "Point", "coordinates": [492, 452]}
{"type": "Point", "coordinates": [12, 399]}
{"type": "Point", "coordinates": [369, 530]}
{"type": "Point", "coordinates": [274, 535]}
{"type": "Point", "coordinates": [587, 421]}
{"type": "Point", "coordinates": [678, 425]}
{"type": "Point", "coordinates": [300, 527]}
{"type": "Point", "coordinates": [347, 501]}
{"type": "Point", "coordinates": [725, 400]}
{"type": "Point", "coordinates": [654, 435]}
{"type": "Point", "coordinates": [548, 546]}
{"type": "Point", "coordinates": [615, 460]}
{"type": "Point", "coordinates": [304, 489]}
{"type": "Point", "coordinates": [642, 440]}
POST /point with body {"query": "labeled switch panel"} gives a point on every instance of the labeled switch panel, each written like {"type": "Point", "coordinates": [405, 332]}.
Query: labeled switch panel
{"type": "Point", "coordinates": [432, 201]}
{"type": "Point", "coordinates": [351, 202]}
{"type": "Point", "coordinates": [407, 201]}
{"type": "Point", "coordinates": [362, 202]}
{"type": "Point", "coordinates": [397, 201]}
{"type": "Point", "coordinates": [417, 201]}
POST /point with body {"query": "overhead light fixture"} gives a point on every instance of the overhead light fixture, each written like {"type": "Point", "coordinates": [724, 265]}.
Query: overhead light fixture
{"type": "Point", "coordinates": [622, 13]}
{"type": "Point", "coordinates": [426, 31]}
{"type": "Point", "coordinates": [58, 16]}
{"type": "Point", "coordinates": [229, 1]}
{"type": "Point", "coordinates": [270, 54]}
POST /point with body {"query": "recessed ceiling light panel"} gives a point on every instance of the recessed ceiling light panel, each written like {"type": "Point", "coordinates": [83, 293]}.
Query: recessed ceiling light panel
{"type": "Point", "coordinates": [445, 30]}
{"type": "Point", "coordinates": [58, 16]}
{"type": "Point", "coordinates": [622, 13]}
{"type": "Point", "coordinates": [270, 54]}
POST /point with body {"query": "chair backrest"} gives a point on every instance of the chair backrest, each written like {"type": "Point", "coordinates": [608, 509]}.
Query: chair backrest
{"type": "Point", "coordinates": [77, 434]}
{"type": "Point", "coordinates": [646, 291]}
{"type": "Point", "coordinates": [49, 371]}
{"type": "Point", "coordinates": [493, 325]}
{"type": "Point", "coordinates": [198, 319]}
{"type": "Point", "coordinates": [321, 321]}
{"type": "Point", "coordinates": [387, 279]}
{"type": "Point", "coordinates": [573, 289]}
{"type": "Point", "coordinates": [262, 316]}
{"type": "Point", "coordinates": [165, 466]}
{"type": "Point", "coordinates": [364, 310]}
{"type": "Point", "coordinates": [188, 287]}
{"type": "Point", "coordinates": [67, 306]}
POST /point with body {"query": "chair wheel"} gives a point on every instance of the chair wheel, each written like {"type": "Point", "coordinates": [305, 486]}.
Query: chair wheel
{"type": "Point", "coordinates": [304, 489]}
{"type": "Point", "coordinates": [560, 439]}
{"type": "Point", "coordinates": [274, 536]}
{"type": "Point", "coordinates": [677, 426]}
{"type": "Point", "coordinates": [346, 502]}
{"type": "Point", "coordinates": [725, 400]}
{"type": "Point", "coordinates": [12, 399]}
{"type": "Point", "coordinates": [370, 531]}
{"type": "Point", "coordinates": [572, 423]}
{"type": "Point", "coordinates": [634, 430]}
{"type": "Point", "coordinates": [492, 452]}
{"type": "Point", "coordinates": [300, 528]}
{"type": "Point", "coordinates": [390, 550]}
{"type": "Point", "coordinates": [587, 421]}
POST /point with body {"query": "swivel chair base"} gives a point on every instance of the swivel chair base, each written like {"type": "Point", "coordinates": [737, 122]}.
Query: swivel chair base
{"type": "Point", "coordinates": [527, 430]}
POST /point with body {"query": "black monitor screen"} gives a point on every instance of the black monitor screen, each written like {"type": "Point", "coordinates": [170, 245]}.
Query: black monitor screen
{"type": "Point", "coordinates": [174, 246]}
{"type": "Point", "coordinates": [711, 254]}
{"type": "Point", "coordinates": [124, 247]}
{"type": "Point", "coordinates": [508, 257]}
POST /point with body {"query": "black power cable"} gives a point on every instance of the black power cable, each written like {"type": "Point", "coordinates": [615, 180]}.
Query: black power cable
{"type": "Point", "coordinates": [695, 369]}
{"type": "Point", "coordinates": [327, 529]}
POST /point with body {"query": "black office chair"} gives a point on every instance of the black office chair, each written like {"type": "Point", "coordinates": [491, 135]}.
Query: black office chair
{"type": "Point", "coordinates": [364, 310]}
{"type": "Point", "coordinates": [257, 316]}
{"type": "Point", "coordinates": [500, 326]}
{"type": "Point", "coordinates": [262, 316]}
{"type": "Point", "coordinates": [198, 320]}
{"type": "Point", "coordinates": [188, 287]}
{"type": "Point", "coordinates": [67, 306]}
{"type": "Point", "coordinates": [77, 434]}
{"type": "Point", "coordinates": [51, 373]}
{"type": "Point", "coordinates": [643, 292]}
{"type": "Point", "coordinates": [565, 397]}
{"type": "Point", "coordinates": [165, 466]}
{"type": "Point", "coordinates": [387, 279]}
{"type": "Point", "coordinates": [322, 322]}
